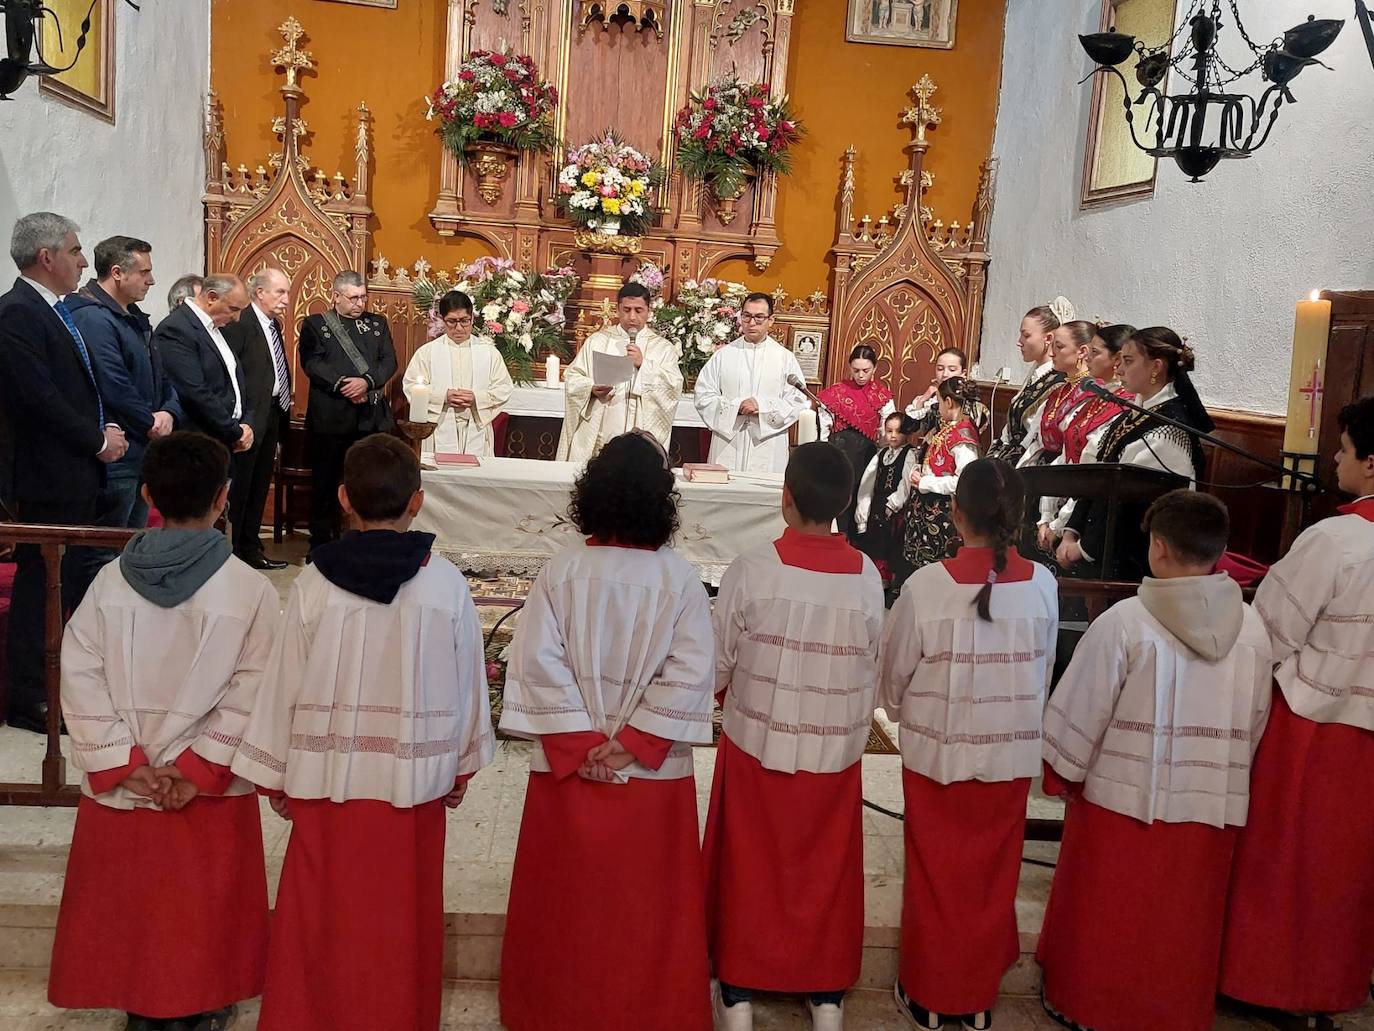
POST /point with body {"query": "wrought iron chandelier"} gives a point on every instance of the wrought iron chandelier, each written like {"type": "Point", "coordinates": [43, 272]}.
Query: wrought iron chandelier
{"type": "Point", "coordinates": [1201, 127]}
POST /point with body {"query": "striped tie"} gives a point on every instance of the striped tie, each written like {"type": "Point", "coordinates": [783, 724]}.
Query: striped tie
{"type": "Point", "coordinates": [279, 363]}
{"type": "Point", "coordinates": [66, 317]}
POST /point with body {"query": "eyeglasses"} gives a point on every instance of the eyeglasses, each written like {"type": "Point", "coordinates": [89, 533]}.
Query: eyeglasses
{"type": "Point", "coordinates": [458, 323]}
{"type": "Point", "coordinates": [747, 316]}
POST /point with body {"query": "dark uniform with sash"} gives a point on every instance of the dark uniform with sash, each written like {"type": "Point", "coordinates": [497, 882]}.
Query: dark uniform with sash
{"type": "Point", "coordinates": [333, 349]}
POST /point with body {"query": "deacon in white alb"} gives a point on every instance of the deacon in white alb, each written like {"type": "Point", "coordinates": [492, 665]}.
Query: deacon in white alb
{"type": "Point", "coordinates": [744, 396]}
{"type": "Point", "coordinates": [594, 414]}
{"type": "Point", "coordinates": [467, 379]}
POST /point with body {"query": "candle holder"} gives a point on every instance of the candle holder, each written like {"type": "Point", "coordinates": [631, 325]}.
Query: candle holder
{"type": "Point", "coordinates": [416, 432]}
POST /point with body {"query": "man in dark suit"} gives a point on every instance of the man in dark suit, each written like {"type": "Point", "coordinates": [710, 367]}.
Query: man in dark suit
{"type": "Point", "coordinates": [257, 342]}
{"type": "Point", "coordinates": [348, 356]}
{"type": "Point", "coordinates": [207, 376]}
{"type": "Point", "coordinates": [59, 439]}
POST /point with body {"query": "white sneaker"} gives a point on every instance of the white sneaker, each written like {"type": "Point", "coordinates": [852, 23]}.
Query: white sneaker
{"type": "Point", "coordinates": [826, 1017]}
{"type": "Point", "coordinates": [739, 1017]}
{"type": "Point", "coordinates": [977, 1021]}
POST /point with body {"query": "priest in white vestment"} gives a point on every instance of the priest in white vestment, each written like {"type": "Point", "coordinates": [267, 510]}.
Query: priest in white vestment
{"type": "Point", "coordinates": [744, 396]}
{"type": "Point", "coordinates": [594, 414]}
{"type": "Point", "coordinates": [467, 379]}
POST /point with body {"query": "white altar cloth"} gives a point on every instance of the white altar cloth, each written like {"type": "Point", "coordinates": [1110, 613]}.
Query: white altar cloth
{"type": "Point", "coordinates": [547, 403]}
{"type": "Point", "coordinates": [510, 515]}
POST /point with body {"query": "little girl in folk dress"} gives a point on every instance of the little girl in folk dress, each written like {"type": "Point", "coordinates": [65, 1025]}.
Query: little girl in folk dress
{"type": "Point", "coordinates": [930, 533]}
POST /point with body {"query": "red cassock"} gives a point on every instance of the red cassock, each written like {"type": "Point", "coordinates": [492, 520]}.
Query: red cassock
{"type": "Point", "coordinates": [785, 875]}
{"type": "Point", "coordinates": [1300, 918]}
{"type": "Point", "coordinates": [147, 889]}
{"type": "Point", "coordinates": [1132, 932]}
{"type": "Point", "coordinates": [963, 859]}
{"type": "Point", "coordinates": [604, 928]}
{"type": "Point", "coordinates": [358, 930]}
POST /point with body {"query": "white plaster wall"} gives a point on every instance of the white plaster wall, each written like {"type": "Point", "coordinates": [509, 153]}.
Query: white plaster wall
{"type": "Point", "coordinates": [1223, 261]}
{"type": "Point", "coordinates": [142, 176]}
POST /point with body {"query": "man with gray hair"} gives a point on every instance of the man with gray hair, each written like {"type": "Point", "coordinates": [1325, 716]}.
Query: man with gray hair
{"type": "Point", "coordinates": [207, 376]}
{"type": "Point", "coordinates": [59, 438]}
{"type": "Point", "coordinates": [260, 347]}
{"type": "Point", "coordinates": [184, 289]}
{"type": "Point", "coordinates": [349, 357]}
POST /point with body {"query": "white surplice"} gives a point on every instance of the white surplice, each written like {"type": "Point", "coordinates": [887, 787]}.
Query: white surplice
{"type": "Point", "coordinates": [612, 638]}
{"type": "Point", "coordinates": [1318, 604]}
{"type": "Point", "coordinates": [740, 370]}
{"type": "Point", "coordinates": [798, 651]}
{"type": "Point", "coordinates": [967, 693]}
{"type": "Point", "coordinates": [165, 679]}
{"type": "Point", "coordinates": [474, 365]}
{"type": "Point", "coordinates": [1154, 729]}
{"type": "Point", "coordinates": [370, 701]}
{"type": "Point", "coordinates": [647, 402]}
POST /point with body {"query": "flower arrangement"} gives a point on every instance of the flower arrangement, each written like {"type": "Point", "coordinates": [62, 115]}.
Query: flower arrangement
{"type": "Point", "coordinates": [651, 277]}
{"type": "Point", "coordinates": [522, 315]}
{"type": "Point", "coordinates": [496, 97]}
{"type": "Point", "coordinates": [605, 187]}
{"type": "Point", "coordinates": [703, 316]}
{"type": "Point", "coordinates": [731, 129]}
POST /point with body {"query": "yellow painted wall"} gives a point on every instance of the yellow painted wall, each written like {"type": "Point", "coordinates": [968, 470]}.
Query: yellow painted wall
{"type": "Point", "coordinates": [844, 92]}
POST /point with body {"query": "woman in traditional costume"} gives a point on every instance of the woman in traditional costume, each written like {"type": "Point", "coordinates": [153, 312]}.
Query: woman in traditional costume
{"type": "Point", "coordinates": [1036, 339]}
{"type": "Point", "coordinates": [923, 414]}
{"type": "Point", "coordinates": [857, 407]}
{"type": "Point", "coordinates": [1045, 428]}
{"type": "Point", "coordinates": [930, 534]}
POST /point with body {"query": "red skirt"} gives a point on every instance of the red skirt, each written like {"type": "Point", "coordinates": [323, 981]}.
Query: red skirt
{"type": "Point", "coordinates": [605, 927]}
{"type": "Point", "coordinates": [358, 932]}
{"type": "Point", "coordinates": [1132, 932]}
{"type": "Point", "coordinates": [963, 860]}
{"type": "Point", "coordinates": [1300, 919]}
{"type": "Point", "coordinates": [147, 888]}
{"type": "Point", "coordinates": [785, 876]}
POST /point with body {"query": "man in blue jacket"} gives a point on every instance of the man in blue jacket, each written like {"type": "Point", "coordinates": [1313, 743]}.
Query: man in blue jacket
{"type": "Point", "coordinates": [136, 392]}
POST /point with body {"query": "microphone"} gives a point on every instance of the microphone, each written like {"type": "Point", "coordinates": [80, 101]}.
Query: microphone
{"type": "Point", "coordinates": [793, 380]}
{"type": "Point", "coordinates": [1098, 390]}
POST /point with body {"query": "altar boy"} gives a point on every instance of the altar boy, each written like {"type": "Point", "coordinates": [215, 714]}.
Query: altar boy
{"type": "Point", "coordinates": [1150, 734]}
{"type": "Point", "coordinates": [373, 715]}
{"type": "Point", "coordinates": [797, 624]}
{"type": "Point", "coordinates": [164, 908]}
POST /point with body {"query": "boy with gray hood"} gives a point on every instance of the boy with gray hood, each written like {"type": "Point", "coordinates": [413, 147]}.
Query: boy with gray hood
{"type": "Point", "coordinates": [1150, 735]}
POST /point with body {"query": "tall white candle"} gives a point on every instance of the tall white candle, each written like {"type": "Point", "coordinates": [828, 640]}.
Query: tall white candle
{"type": "Point", "coordinates": [807, 430]}
{"type": "Point", "coordinates": [551, 371]}
{"type": "Point", "coordinates": [418, 396]}
{"type": "Point", "coordinates": [1307, 374]}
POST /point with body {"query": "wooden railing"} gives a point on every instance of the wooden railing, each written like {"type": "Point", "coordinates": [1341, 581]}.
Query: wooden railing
{"type": "Point", "coordinates": [52, 542]}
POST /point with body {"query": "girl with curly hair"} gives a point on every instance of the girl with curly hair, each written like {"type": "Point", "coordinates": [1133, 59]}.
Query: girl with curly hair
{"type": "Point", "coordinates": [930, 535]}
{"type": "Point", "coordinates": [611, 676]}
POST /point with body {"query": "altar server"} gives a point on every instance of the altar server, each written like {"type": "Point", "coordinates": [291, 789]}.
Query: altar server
{"type": "Point", "coordinates": [164, 907]}
{"type": "Point", "coordinates": [797, 624]}
{"type": "Point", "coordinates": [594, 414]}
{"type": "Point", "coordinates": [1150, 734]}
{"type": "Point", "coordinates": [745, 396]}
{"type": "Point", "coordinates": [1300, 920]}
{"type": "Point", "coordinates": [467, 380]}
{"type": "Point", "coordinates": [611, 674]}
{"type": "Point", "coordinates": [966, 659]}
{"type": "Point", "coordinates": [372, 717]}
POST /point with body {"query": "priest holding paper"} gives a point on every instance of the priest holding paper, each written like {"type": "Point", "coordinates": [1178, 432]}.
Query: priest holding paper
{"type": "Point", "coordinates": [624, 378]}
{"type": "Point", "coordinates": [745, 396]}
{"type": "Point", "coordinates": [466, 380]}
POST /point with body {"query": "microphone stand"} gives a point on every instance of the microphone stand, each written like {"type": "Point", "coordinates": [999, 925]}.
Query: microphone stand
{"type": "Point", "coordinates": [792, 381]}
{"type": "Point", "coordinates": [1305, 482]}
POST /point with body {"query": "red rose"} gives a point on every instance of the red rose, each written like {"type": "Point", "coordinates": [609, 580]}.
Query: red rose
{"type": "Point", "coordinates": [703, 131]}
{"type": "Point", "coordinates": [507, 119]}
{"type": "Point", "coordinates": [709, 103]}
{"type": "Point", "coordinates": [466, 75]}
{"type": "Point", "coordinates": [498, 59]}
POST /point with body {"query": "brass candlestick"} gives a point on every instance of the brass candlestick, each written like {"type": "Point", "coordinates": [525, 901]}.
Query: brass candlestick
{"type": "Point", "coordinates": [416, 433]}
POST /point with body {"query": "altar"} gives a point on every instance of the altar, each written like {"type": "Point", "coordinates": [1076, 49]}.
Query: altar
{"type": "Point", "coordinates": [532, 420]}
{"type": "Point", "coordinates": [510, 515]}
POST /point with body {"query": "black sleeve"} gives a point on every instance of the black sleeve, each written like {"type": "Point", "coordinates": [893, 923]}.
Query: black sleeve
{"type": "Point", "coordinates": [181, 360]}
{"type": "Point", "coordinates": [386, 366]}
{"type": "Point", "coordinates": [314, 357]}
{"type": "Point", "coordinates": [26, 367]}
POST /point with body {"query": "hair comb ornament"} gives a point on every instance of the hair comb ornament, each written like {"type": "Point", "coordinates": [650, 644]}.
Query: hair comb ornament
{"type": "Point", "coordinates": [1063, 310]}
{"type": "Point", "coordinates": [992, 577]}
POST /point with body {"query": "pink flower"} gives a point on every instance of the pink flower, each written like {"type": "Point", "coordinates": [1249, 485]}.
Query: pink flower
{"type": "Point", "coordinates": [493, 670]}
{"type": "Point", "coordinates": [466, 75]}
{"type": "Point", "coordinates": [608, 191]}
{"type": "Point", "coordinates": [495, 327]}
{"type": "Point", "coordinates": [520, 306]}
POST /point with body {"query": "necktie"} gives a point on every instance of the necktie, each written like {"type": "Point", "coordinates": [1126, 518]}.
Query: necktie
{"type": "Point", "coordinates": [66, 317]}
{"type": "Point", "coordinates": [279, 363]}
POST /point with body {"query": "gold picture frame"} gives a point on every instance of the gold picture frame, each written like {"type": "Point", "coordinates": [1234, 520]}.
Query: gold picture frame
{"type": "Point", "coordinates": [902, 23]}
{"type": "Point", "coordinates": [89, 84]}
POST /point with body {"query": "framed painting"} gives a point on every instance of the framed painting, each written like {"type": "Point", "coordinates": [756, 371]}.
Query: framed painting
{"type": "Point", "coordinates": [88, 84]}
{"type": "Point", "coordinates": [902, 23]}
{"type": "Point", "coordinates": [808, 345]}
{"type": "Point", "coordinates": [388, 4]}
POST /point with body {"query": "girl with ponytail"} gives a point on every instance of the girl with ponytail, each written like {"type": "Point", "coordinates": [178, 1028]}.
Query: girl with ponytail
{"type": "Point", "coordinates": [965, 662]}
{"type": "Point", "coordinates": [930, 535]}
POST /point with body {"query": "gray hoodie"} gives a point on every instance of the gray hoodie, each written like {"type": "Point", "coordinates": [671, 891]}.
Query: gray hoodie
{"type": "Point", "coordinates": [1204, 612]}
{"type": "Point", "coordinates": [168, 566]}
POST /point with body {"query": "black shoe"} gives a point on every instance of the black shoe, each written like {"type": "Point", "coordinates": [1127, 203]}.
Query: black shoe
{"type": "Point", "coordinates": [216, 1020]}
{"type": "Point", "coordinates": [261, 561]}
{"type": "Point", "coordinates": [919, 1017]}
{"type": "Point", "coordinates": [137, 1023]}
{"type": "Point", "coordinates": [33, 718]}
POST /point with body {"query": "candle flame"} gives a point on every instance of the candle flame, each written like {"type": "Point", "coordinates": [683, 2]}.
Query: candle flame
{"type": "Point", "coordinates": [1316, 295]}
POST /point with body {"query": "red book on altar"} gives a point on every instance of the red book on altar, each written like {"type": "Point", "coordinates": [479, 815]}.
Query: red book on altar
{"type": "Point", "coordinates": [452, 458]}
{"type": "Point", "coordinates": [705, 472]}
